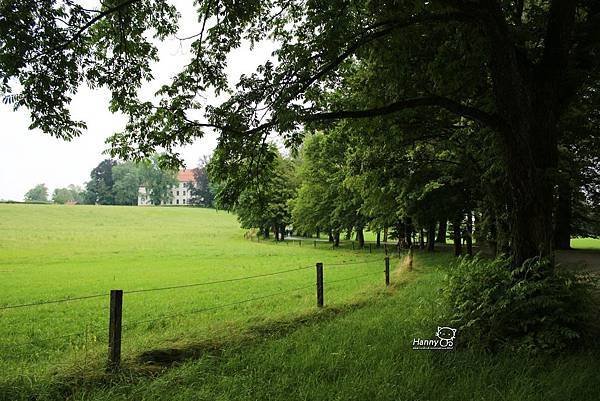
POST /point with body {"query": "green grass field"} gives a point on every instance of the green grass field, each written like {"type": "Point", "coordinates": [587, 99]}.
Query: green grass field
{"type": "Point", "coordinates": [279, 347]}
{"type": "Point", "coordinates": [56, 252]}
{"type": "Point", "coordinates": [585, 243]}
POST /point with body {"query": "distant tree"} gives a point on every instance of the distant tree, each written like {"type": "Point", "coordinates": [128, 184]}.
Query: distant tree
{"type": "Point", "coordinates": [72, 193]}
{"type": "Point", "coordinates": [39, 193]}
{"type": "Point", "coordinates": [99, 190]}
{"type": "Point", "coordinates": [201, 189]}
{"type": "Point", "coordinates": [127, 179]}
{"type": "Point", "coordinates": [158, 181]}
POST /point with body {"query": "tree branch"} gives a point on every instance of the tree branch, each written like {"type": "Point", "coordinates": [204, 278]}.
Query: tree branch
{"type": "Point", "coordinates": [469, 112]}
{"type": "Point", "coordinates": [85, 27]}
{"type": "Point", "coordinates": [380, 30]}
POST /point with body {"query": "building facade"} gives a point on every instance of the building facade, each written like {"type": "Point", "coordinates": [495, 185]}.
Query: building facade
{"type": "Point", "coordinates": [180, 193]}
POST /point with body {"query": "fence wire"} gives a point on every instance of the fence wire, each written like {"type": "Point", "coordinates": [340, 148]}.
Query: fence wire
{"type": "Point", "coordinates": [201, 310]}
{"type": "Point", "coordinates": [194, 311]}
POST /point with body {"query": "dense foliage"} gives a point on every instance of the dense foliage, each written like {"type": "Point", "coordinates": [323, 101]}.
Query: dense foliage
{"type": "Point", "coordinates": [70, 194]}
{"type": "Point", "coordinates": [264, 205]}
{"type": "Point", "coordinates": [535, 307]}
{"type": "Point", "coordinates": [39, 193]}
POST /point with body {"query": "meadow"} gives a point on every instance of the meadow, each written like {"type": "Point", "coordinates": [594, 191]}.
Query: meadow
{"type": "Point", "coordinates": [276, 346]}
{"type": "Point", "coordinates": [52, 252]}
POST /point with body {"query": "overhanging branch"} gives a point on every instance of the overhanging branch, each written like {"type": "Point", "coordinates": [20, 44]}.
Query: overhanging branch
{"type": "Point", "coordinates": [469, 112]}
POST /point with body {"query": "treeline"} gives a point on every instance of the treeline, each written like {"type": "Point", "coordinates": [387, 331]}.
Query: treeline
{"type": "Point", "coordinates": [342, 183]}
{"type": "Point", "coordinates": [118, 183]}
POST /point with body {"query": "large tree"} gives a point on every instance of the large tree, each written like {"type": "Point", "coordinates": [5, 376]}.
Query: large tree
{"type": "Point", "coordinates": [127, 181]}
{"type": "Point", "coordinates": [99, 189]}
{"type": "Point", "coordinates": [512, 67]}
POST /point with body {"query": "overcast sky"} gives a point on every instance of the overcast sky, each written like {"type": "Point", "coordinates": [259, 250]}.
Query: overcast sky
{"type": "Point", "coordinates": [28, 158]}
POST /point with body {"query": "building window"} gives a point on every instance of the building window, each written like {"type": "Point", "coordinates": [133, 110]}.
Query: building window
{"type": "Point", "coordinates": [177, 193]}
{"type": "Point", "coordinates": [177, 201]}
{"type": "Point", "coordinates": [184, 201]}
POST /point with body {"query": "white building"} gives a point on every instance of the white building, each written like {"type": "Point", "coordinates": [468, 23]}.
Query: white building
{"type": "Point", "coordinates": [180, 194]}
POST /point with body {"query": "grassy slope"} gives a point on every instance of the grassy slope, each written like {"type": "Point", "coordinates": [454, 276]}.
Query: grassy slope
{"type": "Point", "coordinates": [50, 252]}
{"type": "Point", "coordinates": [365, 354]}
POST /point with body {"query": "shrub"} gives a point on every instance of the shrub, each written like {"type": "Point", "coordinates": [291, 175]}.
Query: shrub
{"type": "Point", "coordinates": [535, 307]}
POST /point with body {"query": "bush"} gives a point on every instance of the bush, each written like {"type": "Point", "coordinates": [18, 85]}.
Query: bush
{"type": "Point", "coordinates": [535, 307]}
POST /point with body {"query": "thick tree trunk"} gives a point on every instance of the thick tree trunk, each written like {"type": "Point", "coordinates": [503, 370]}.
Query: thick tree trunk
{"type": "Point", "coordinates": [276, 232]}
{"type": "Point", "coordinates": [378, 238]}
{"type": "Point", "coordinates": [337, 239]}
{"type": "Point", "coordinates": [318, 233]}
{"type": "Point", "coordinates": [441, 235]}
{"type": "Point", "coordinates": [529, 97]}
{"type": "Point", "coordinates": [431, 237]}
{"type": "Point", "coordinates": [330, 236]}
{"type": "Point", "coordinates": [562, 220]}
{"type": "Point", "coordinates": [456, 237]}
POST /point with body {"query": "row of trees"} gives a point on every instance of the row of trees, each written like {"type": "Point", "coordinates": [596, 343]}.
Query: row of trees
{"type": "Point", "coordinates": [343, 182]}
{"type": "Point", "coordinates": [118, 183]}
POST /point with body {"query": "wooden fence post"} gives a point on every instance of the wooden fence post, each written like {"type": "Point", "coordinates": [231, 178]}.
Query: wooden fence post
{"type": "Point", "coordinates": [114, 329]}
{"type": "Point", "coordinates": [387, 270]}
{"type": "Point", "coordinates": [320, 285]}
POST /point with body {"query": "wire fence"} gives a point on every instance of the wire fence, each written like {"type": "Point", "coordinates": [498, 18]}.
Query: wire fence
{"type": "Point", "coordinates": [97, 329]}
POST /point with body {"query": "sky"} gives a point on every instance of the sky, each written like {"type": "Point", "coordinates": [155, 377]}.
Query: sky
{"type": "Point", "coordinates": [29, 157]}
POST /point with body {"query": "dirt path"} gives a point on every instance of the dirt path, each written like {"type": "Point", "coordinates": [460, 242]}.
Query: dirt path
{"type": "Point", "coordinates": [585, 259]}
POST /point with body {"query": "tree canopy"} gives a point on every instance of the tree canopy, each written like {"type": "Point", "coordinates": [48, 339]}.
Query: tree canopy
{"type": "Point", "coordinates": [39, 193]}
{"type": "Point", "coordinates": [505, 75]}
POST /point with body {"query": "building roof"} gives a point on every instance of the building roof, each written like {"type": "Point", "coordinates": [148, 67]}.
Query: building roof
{"type": "Point", "coordinates": [185, 175]}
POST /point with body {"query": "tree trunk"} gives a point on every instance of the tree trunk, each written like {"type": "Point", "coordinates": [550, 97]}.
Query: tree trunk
{"type": "Point", "coordinates": [276, 232]}
{"type": "Point", "coordinates": [431, 237]}
{"type": "Point", "coordinates": [318, 233]}
{"type": "Point", "coordinates": [282, 232]}
{"type": "Point", "coordinates": [408, 231]}
{"type": "Point", "coordinates": [441, 235]}
{"type": "Point", "coordinates": [360, 237]}
{"type": "Point", "coordinates": [530, 98]}
{"type": "Point", "coordinates": [469, 234]}
{"type": "Point", "coordinates": [421, 239]}
{"type": "Point", "coordinates": [562, 220]}
{"type": "Point", "coordinates": [378, 238]}
{"type": "Point", "coordinates": [456, 237]}
{"type": "Point", "coordinates": [265, 233]}
{"type": "Point", "coordinates": [337, 239]}
{"type": "Point", "coordinates": [330, 236]}
{"type": "Point", "coordinates": [385, 234]}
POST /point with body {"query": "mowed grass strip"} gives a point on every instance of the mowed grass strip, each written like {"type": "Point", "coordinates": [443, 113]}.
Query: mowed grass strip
{"type": "Point", "coordinates": [50, 252]}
